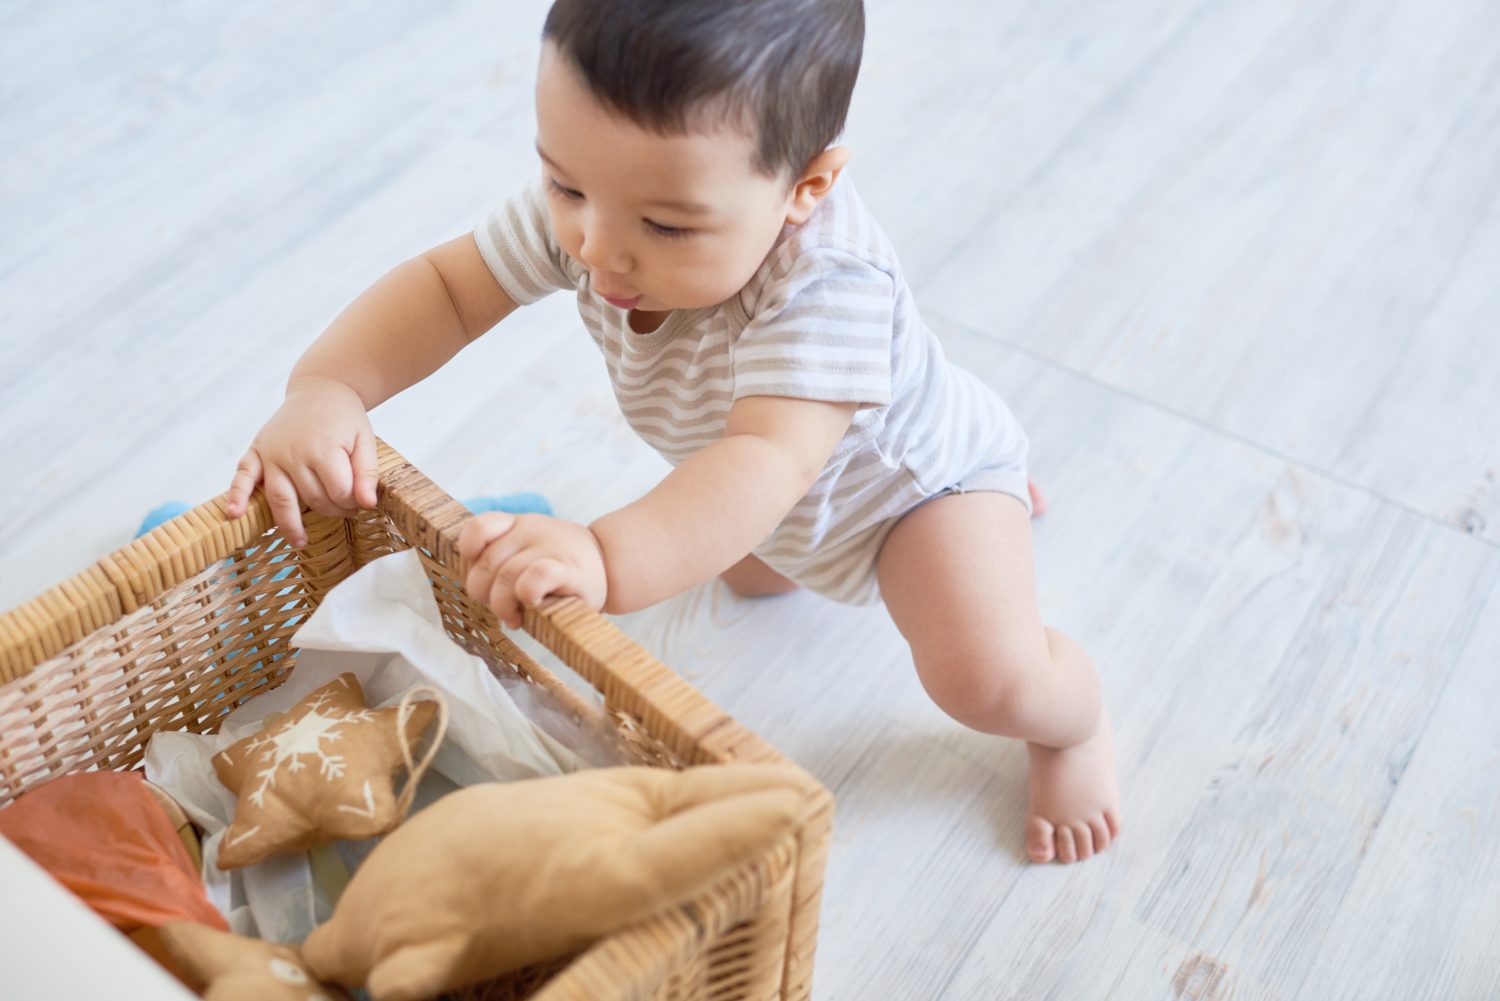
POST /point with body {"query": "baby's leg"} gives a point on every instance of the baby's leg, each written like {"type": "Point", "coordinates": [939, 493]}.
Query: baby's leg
{"type": "Point", "coordinates": [957, 576]}
{"type": "Point", "coordinates": [751, 578]}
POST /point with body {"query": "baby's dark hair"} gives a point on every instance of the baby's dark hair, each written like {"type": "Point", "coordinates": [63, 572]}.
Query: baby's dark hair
{"type": "Point", "coordinates": [787, 67]}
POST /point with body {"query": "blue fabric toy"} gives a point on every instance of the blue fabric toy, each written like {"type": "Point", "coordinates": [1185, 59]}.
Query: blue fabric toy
{"type": "Point", "coordinates": [524, 503]}
{"type": "Point", "coordinates": [166, 512]}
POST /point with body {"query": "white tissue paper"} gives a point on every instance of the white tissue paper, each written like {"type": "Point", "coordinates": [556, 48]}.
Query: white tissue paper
{"type": "Point", "coordinates": [382, 624]}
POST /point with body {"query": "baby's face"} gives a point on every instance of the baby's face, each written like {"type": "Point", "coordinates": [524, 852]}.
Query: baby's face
{"type": "Point", "coordinates": [661, 222]}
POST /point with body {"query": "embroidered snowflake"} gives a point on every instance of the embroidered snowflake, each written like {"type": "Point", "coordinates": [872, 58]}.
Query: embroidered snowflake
{"type": "Point", "coordinates": [306, 737]}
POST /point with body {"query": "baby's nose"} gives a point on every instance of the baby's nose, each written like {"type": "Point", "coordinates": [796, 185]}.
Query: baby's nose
{"type": "Point", "coordinates": [603, 253]}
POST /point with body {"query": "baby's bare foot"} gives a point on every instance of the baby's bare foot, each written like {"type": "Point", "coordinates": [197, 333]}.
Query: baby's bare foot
{"type": "Point", "coordinates": [1038, 499]}
{"type": "Point", "coordinates": [1075, 799]}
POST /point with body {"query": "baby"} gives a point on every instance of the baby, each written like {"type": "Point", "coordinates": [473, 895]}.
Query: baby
{"type": "Point", "coordinates": [759, 334]}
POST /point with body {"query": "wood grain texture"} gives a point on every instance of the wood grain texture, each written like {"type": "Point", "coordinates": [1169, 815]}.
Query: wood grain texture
{"type": "Point", "coordinates": [1432, 853]}
{"type": "Point", "coordinates": [1279, 227]}
{"type": "Point", "coordinates": [1232, 265]}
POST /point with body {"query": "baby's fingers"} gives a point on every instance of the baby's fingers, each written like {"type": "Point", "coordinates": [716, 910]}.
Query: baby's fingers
{"type": "Point", "coordinates": [366, 469]}
{"type": "Point", "coordinates": [474, 545]}
{"type": "Point", "coordinates": [285, 508]}
{"type": "Point", "coordinates": [542, 578]}
{"type": "Point", "coordinates": [502, 600]}
{"type": "Point", "coordinates": [335, 475]}
{"type": "Point", "coordinates": [246, 476]}
{"type": "Point", "coordinates": [310, 489]}
{"type": "Point", "coordinates": [482, 529]}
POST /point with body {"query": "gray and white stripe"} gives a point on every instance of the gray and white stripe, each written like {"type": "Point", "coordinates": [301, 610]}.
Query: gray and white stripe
{"type": "Point", "coordinates": [828, 316]}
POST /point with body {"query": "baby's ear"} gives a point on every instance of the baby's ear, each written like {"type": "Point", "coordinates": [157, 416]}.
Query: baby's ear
{"type": "Point", "coordinates": [816, 181]}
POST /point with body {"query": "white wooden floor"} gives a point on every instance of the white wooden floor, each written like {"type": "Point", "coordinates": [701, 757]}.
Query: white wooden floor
{"type": "Point", "coordinates": [1237, 265]}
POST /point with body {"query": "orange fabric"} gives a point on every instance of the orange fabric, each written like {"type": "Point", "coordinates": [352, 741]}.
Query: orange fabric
{"type": "Point", "coordinates": [103, 836]}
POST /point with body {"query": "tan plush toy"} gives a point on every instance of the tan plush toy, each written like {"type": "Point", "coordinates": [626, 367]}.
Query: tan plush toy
{"type": "Point", "coordinates": [498, 876]}
{"type": "Point", "coordinates": [320, 773]}
{"type": "Point", "coordinates": [228, 967]}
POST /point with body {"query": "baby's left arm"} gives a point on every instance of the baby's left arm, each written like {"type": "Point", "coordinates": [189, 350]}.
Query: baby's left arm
{"type": "Point", "coordinates": [698, 522]}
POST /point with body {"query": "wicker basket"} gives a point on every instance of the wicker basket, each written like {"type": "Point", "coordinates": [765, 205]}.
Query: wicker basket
{"type": "Point", "coordinates": [182, 625]}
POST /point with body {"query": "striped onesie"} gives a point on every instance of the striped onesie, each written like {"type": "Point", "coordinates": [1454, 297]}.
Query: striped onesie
{"type": "Point", "coordinates": [826, 317]}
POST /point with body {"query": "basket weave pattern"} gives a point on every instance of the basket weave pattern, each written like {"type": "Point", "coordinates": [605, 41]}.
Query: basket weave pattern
{"type": "Point", "coordinates": [175, 630]}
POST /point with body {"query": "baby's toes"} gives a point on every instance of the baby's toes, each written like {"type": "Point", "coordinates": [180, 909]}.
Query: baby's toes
{"type": "Point", "coordinates": [1102, 837]}
{"type": "Point", "coordinates": [1083, 840]}
{"type": "Point", "coordinates": [1040, 845]}
{"type": "Point", "coordinates": [1067, 848]}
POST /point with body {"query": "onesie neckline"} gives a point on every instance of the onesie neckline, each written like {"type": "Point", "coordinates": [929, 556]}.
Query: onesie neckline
{"type": "Point", "coordinates": [677, 321]}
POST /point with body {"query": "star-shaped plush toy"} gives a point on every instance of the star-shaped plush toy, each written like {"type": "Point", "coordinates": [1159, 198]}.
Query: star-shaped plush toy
{"type": "Point", "coordinates": [498, 876]}
{"type": "Point", "coordinates": [323, 772]}
{"type": "Point", "coordinates": [229, 967]}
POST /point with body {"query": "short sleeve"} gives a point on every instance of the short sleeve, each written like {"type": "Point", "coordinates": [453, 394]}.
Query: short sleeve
{"type": "Point", "coordinates": [821, 332]}
{"type": "Point", "coordinates": [516, 241]}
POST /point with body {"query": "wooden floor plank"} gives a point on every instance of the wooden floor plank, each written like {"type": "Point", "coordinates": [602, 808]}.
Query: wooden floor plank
{"type": "Point", "coordinates": [1278, 246]}
{"type": "Point", "coordinates": [1420, 917]}
{"type": "Point", "coordinates": [958, 106]}
{"type": "Point", "coordinates": [1327, 742]}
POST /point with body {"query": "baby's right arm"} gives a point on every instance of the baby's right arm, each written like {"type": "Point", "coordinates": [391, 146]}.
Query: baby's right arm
{"type": "Point", "coordinates": [319, 447]}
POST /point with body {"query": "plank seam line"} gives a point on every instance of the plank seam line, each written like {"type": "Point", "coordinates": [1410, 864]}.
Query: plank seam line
{"type": "Point", "coordinates": [1223, 432]}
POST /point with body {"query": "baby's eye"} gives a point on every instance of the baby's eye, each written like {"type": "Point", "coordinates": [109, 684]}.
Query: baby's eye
{"type": "Point", "coordinates": [567, 193]}
{"type": "Point", "coordinates": [667, 231]}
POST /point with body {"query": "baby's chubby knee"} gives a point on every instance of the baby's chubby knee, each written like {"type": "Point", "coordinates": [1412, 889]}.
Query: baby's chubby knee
{"type": "Point", "coordinates": [988, 686]}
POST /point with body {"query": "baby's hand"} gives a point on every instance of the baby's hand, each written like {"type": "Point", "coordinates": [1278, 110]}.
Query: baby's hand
{"type": "Point", "coordinates": [516, 561]}
{"type": "Point", "coordinates": [318, 447]}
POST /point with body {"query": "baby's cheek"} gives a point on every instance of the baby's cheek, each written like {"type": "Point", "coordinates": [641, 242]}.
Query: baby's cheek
{"type": "Point", "coordinates": [699, 287]}
{"type": "Point", "coordinates": [730, 273]}
{"type": "Point", "coordinates": [568, 239]}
